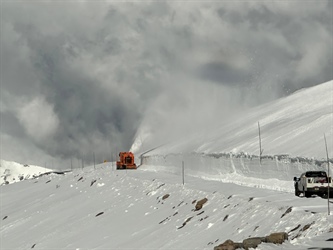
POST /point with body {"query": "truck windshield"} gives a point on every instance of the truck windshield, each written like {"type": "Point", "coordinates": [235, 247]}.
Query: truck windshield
{"type": "Point", "coordinates": [128, 160]}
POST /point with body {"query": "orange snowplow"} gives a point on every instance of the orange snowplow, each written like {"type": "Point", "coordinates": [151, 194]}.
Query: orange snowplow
{"type": "Point", "coordinates": [126, 161]}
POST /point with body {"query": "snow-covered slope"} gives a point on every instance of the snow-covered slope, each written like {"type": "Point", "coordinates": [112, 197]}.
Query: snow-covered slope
{"type": "Point", "coordinates": [109, 209]}
{"type": "Point", "coordinates": [292, 133]}
{"type": "Point", "coordinates": [11, 172]}
{"type": "Point", "coordinates": [294, 125]}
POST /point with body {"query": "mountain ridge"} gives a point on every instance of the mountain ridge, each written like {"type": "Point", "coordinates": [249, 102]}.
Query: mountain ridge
{"type": "Point", "coordinates": [293, 125]}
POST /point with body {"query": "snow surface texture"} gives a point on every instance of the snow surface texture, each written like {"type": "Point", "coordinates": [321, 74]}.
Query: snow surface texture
{"type": "Point", "coordinates": [107, 209]}
{"type": "Point", "coordinates": [294, 125]}
{"type": "Point", "coordinates": [104, 208]}
{"type": "Point", "coordinates": [11, 172]}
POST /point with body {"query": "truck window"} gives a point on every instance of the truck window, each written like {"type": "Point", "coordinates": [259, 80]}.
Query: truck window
{"type": "Point", "coordinates": [128, 160]}
{"type": "Point", "coordinates": [315, 174]}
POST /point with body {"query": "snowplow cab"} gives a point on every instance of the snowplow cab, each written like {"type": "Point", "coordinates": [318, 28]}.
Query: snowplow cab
{"type": "Point", "coordinates": [126, 161]}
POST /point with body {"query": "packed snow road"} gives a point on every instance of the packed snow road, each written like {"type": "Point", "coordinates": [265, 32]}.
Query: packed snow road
{"type": "Point", "coordinates": [146, 209]}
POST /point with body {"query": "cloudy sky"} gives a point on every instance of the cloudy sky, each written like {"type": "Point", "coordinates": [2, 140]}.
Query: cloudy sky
{"type": "Point", "coordinates": [87, 77]}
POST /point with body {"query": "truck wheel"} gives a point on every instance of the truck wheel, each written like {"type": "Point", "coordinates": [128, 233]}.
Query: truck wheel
{"type": "Point", "coordinates": [322, 195]}
{"type": "Point", "coordinates": [307, 194]}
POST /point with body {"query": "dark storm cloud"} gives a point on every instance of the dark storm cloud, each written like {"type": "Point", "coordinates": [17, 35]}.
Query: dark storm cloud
{"type": "Point", "coordinates": [280, 38]}
{"type": "Point", "coordinates": [83, 77]}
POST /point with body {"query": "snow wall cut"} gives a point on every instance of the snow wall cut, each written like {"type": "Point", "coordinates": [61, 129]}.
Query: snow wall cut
{"type": "Point", "coordinates": [274, 172]}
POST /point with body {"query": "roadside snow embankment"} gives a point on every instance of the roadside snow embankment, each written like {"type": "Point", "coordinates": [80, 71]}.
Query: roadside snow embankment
{"type": "Point", "coordinates": [106, 209]}
{"type": "Point", "coordinates": [274, 173]}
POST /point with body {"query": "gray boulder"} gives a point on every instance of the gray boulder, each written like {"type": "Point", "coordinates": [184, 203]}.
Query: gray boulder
{"type": "Point", "coordinates": [277, 238]}
{"type": "Point", "coordinates": [229, 245]}
{"type": "Point", "coordinates": [253, 242]}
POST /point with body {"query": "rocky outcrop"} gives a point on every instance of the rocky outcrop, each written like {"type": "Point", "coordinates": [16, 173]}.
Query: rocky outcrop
{"type": "Point", "coordinates": [253, 242]}
{"type": "Point", "coordinates": [275, 238]}
{"type": "Point", "coordinates": [229, 245]}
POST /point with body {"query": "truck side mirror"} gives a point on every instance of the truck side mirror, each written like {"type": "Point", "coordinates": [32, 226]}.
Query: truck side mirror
{"type": "Point", "coordinates": [295, 178]}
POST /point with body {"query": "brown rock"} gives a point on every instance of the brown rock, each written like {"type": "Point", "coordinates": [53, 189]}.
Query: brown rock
{"type": "Point", "coordinates": [200, 203]}
{"type": "Point", "coordinates": [253, 242]}
{"type": "Point", "coordinates": [229, 245]}
{"type": "Point", "coordinates": [166, 196]}
{"type": "Point", "coordinates": [277, 238]}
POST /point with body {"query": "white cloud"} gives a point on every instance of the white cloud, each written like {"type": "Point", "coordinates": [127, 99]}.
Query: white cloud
{"type": "Point", "coordinates": [38, 119]}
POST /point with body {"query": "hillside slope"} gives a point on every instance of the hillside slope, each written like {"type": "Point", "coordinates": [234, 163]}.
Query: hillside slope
{"type": "Point", "coordinates": [11, 172]}
{"type": "Point", "coordinates": [294, 125]}
{"type": "Point", "coordinates": [108, 209]}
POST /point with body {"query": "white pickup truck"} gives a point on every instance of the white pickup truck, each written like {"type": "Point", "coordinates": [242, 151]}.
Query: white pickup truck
{"type": "Point", "coordinates": [313, 182]}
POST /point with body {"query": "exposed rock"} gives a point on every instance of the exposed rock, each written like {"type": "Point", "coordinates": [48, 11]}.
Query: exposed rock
{"type": "Point", "coordinates": [160, 186]}
{"type": "Point", "coordinates": [180, 203]}
{"type": "Point", "coordinates": [253, 242]}
{"type": "Point", "coordinates": [229, 245]}
{"type": "Point", "coordinates": [201, 213]}
{"type": "Point", "coordinates": [99, 214]}
{"type": "Point", "coordinates": [166, 196]}
{"type": "Point", "coordinates": [200, 203]}
{"type": "Point", "coordinates": [287, 211]}
{"type": "Point", "coordinates": [307, 226]}
{"type": "Point", "coordinates": [167, 218]}
{"type": "Point", "coordinates": [187, 220]}
{"type": "Point", "coordinates": [204, 218]}
{"type": "Point", "coordinates": [295, 228]}
{"type": "Point", "coordinates": [277, 238]}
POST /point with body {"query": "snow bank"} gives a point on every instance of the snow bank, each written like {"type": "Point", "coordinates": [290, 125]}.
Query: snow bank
{"type": "Point", "coordinates": [275, 172]}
